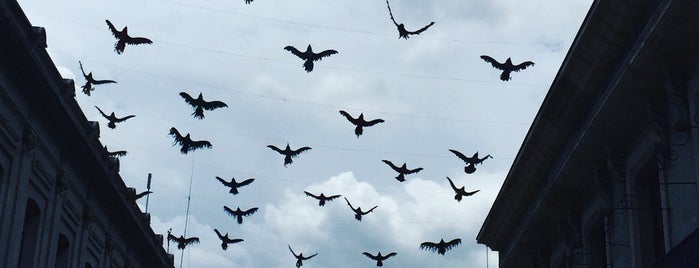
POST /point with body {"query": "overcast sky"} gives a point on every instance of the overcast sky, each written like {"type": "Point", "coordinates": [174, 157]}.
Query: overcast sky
{"type": "Point", "coordinates": [433, 91]}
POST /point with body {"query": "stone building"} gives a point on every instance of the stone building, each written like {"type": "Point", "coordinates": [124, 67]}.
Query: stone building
{"type": "Point", "coordinates": [607, 174]}
{"type": "Point", "coordinates": [62, 201]}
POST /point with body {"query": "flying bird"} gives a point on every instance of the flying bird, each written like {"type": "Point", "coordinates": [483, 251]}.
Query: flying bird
{"type": "Point", "coordinates": [234, 184]}
{"type": "Point", "coordinates": [289, 154]}
{"type": "Point", "coordinates": [402, 170]}
{"type": "Point", "coordinates": [89, 81]}
{"type": "Point", "coordinates": [135, 196]}
{"type": "Point", "coordinates": [358, 213]}
{"type": "Point", "coordinates": [239, 214]}
{"type": "Point", "coordinates": [507, 67]}
{"type": "Point", "coordinates": [248, 1]}
{"type": "Point", "coordinates": [113, 119]}
{"type": "Point", "coordinates": [115, 153]}
{"type": "Point", "coordinates": [200, 104]}
{"type": "Point", "coordinates": [181, 241]}
{"type": "Point", "coordinates": [309, 57]}
{"type": "Point", "coordinates": [300, 258]}
{"type": "Point", "coordinates": [460, 192]}
{"type": "Point", "coordinates": [225, 240]}
{"type": "Point", "coordinates": [440, 247]}
{"type": "Point", "coordinates": [322, 198]}
{"type": "Point", "coordinates": [471, 162]}
{"type": "Point", "coordinates": [123, 38]}
{"type": "Point", "coordinates": [378, 258]}
{"type": "Point", "coordinates": [402, 32]}
{"type": "Point", "coordinates": [187, 143]}
{"type": "Point", "coordinates": [360, 122]}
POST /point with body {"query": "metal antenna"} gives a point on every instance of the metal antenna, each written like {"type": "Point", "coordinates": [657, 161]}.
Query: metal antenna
{"type": "Point", "coordinates": [148, 187]}
{"type": "Point", "coordinates": [186, 217]}
{"type": "Point", "coordinates": [487, 264]}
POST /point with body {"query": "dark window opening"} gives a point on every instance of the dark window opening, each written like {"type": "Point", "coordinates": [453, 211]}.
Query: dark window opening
{"type": "Point", "coordinates": [62, 252]}
{"type": "Point", "coordinates": [650, 214]}
{"type": "Point", "coordinates": [30, 233]}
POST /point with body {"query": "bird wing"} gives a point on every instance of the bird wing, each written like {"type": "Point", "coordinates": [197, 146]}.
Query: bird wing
{"type": "Point", "coordinates": [332, 197]}
{"type": "Point", "coordinates": [429, 246]}
{"type": "Point", "coordinates": [138, 41]}
{"type": "Point", "coordinates": [99, 82]}
{"type": "Point", "coordinates": [191, 240]}
{"type": "Point", "coordinates": [411, 171]}
{"type": "Point", "coordinates": [276, 149]}
{"type": "Point", "coordinates": [229, 211]}
{"type": "Point", "coordinates": [171, 237]}
{"type": "Point", "coordinates": [370, 256]}
{"type": "Point", "coordinates": [295, 52]}
{"type": "Point", "coordinates": [391, 13]}
{"type": "Point", "coordinates": [453, 243]}
{"type": "Point", "coordinates": [374, 122]}
{"type": "Point", "coordinates": [522, 66]}
{"type": "Point", "coordinates": [348, 116]}
{"type": "Point", "coordinates": [142, 194]}
{"type": "Point", "coordinates": [250, 212]}
{"type": "Point", "coordinates": [472, 193]}
{"type": "Point", "coordinates": [292, 251]}
{"type": "Point", "coordinates": [390, 255]}
{"type": "Point", "coordinates": [81, 69]}
{"type": "Point", "coordinates": [324, 54]}
{"type": "Point", "coordinates": [188, 99]}
{"type": "Point", "coordinates": [348, 203]}
{"type": "Point", "coordinates": [493, 62]}
{"type": "Point", "coordinates": [178, 138]}
{"type": "Point", "coordinates": [124, 118]}
{"type": "Point", "coordinates": [372, 209]}
{"type": "Point", "coordinates": [210, 105]}
{"type": "Point", "coordinates": [312, 195]}
{"type": "Point", "coordinates": [295, 153]}
{"type": "Point", "coordinates": [201, 144]}
{"type": "Point", "coordinates": [103, 114]}
{"type": "Point", "coordinates": [117, 153]}
{"type": "Point", "coordinates": [112, 29]}
{"type": "Point", "coordinates": [223, 181]}
{"type": "Point", "coordinates": [422, 29]}
{"type": "Point", "coordinates": [219, 234]}
{"type": "Point", "coordinates": [460, 155]}
{"type": "Point", "coordinates": [452, 184]}
{"type": "Point", "coordinates": [394, 167]}
{"type": "Point", "coordinates": [246, 182]}
{"type": "Point", "coordinates": [306, 258]}
{"type": "Point", "coordinates": [236, 240]}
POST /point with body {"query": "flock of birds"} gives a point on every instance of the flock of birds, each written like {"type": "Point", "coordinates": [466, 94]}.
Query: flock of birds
{"type": "Point", "coordinates": [199, 105]}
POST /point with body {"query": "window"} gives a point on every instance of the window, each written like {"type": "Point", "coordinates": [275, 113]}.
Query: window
{"type": "Point", "coordinates": [62, 252]}
{"type": "Point", "coordinates": [597, 251]}
{"type": "Point", "coordinates": [30, 233]}
{"type": "Point", "coordinates": [649, 215]}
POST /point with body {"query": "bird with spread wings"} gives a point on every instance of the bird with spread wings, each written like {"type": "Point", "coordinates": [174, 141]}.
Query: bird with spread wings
{"type": "Point", "coordinates": [199, 104]}
{"type": "Point", "coordinates": [507, 67]}
{"type": "Point", "coordinates": [402, 170]}
{"type": "Point", "coordinates": [238, 213]}
{"type": "Point", "coordinates": [358, 213]}
{"type": "Point", "coordinates": [89, 81]}
{"type": "Point", "coordinates": [460, 192]}
{"type": "Point", "coordinates": [225, 240]}
{"type": "Point", "coordinates": [234, 184]}
{"type": "Point", "coordinates": [123, 38]}
{"type": "Point", "coordinates": [113, 119]}
{"type": "Point", "coordinates": [440, 247]}
{"type": "Point", "coordinates": [288, 153]}
{"type": "Point", "coordinates": [471, 162]}
{"type": "Point", "coordinates": [309, 56]}
{"type": "Point", "coordinates": [183, 242]}
{"type": "Point", "coordinates": [360, 122]}
{"type": "Point", "coordinates": [300, 258]}
{"type": "Point", "coordinates": [322, 198]}
{"type": "Point", "coordinates": [402, 32]}
{"type": "Point", "coordinates": [378, 258]}
{"type": "Point", "coordinates": [187, 143]}
{"type": "Point", "coordinates": [116, 154]}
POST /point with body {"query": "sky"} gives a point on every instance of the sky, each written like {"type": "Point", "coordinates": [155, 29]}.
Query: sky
{"type": "Point", "coordinates": [432, 90]}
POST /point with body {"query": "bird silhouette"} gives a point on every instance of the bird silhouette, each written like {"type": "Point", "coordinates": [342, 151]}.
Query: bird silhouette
{"type": "Point", "coordinates": [402, 32]}
{"type": "Point", "coordinates": [225, 240]}
{"type": "Point", "coordinates": [471, 162]}
{"type": "Point", "coordinates": [507, 67]}
{"type": "Point", "coordinates": [234, 185]}
{"type": "Point", "coordinates": [358, 213]}
{"type": "Point", "coordinates": [402, 170]}
{"type": "Point", "coordinates": [136, 196]}
{"type": "Point", "coordinates": [440, 247]}
{"type": "Point", "coordinates": [89, 81]}
{"type": "Point", "coordinates": [239, 214]}
{"type": "Point", "coordinates": [183, 242]}
{"type": "Point", "coordinates": [322, 198]}
{"type": "Point", "coordinates": [200, 104]}
{"type": "Point", "coordinates": [288, 153]}
{"type": "Point", "coordinates": [360, 122]}
{"type": "Point", "coordinates": [309, 57]}
{"type": "Point", "coordinates": [187, 143]}
{"type": "Point", "coordinates": [113, 119]}
{"type": "Point", "coordinates": [378, 258]}
{"type": "Point", "coordinates": [123, 38]}
{"type": "Point", "coordinates": [115, 153]}
{"type": "Point", "coordinates": [300, 258]}
{"type": "Point", "coordinates": [460, 192]}
{"type": "Point", "coordinates": [248, 1]}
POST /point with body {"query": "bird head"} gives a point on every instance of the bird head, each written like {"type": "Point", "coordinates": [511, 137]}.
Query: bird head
{"type": "Point", "coordinates": [125, 30]}
{"type": "Point", "coordinates": [287, 146]}
{"type": "Point", "coordinates": [309, 48]}
{"type": "Point", "coordinates": [361, 116]}
{"type": "Point", "coordinates": [508, 61]}
{"type": "Point", "coordinates": [442, 241]}
{"type": "Point", "coordinates": [200, 96]}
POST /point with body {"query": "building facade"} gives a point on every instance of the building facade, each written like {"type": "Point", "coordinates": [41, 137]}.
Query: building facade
{"type": "Point", "coordinates": [607, 174]}
{"type": "Point", "coordinates": [62, 201]}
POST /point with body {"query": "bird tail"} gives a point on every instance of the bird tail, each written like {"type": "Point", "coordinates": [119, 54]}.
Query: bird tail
{"type": "Point", "coordinates": [287, 160]}
{"type": "Point", "coordinates": [505, 76]}
{"type": "Point", "coordinates": [308, 65]}
{"type": "Point", "coordinates": [358, 131]}
{"type": "Point", "coordinates": [358, 217]}
{"type": "Point", "coordinates": [198, 113]}
{"type": "Point", "coordinates": [458, 197]}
